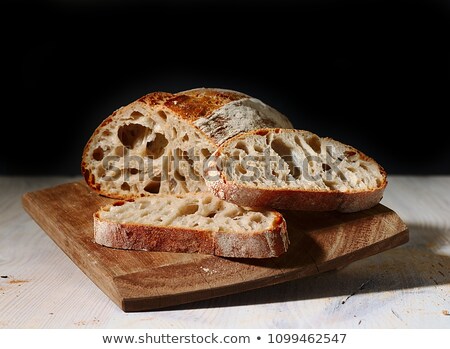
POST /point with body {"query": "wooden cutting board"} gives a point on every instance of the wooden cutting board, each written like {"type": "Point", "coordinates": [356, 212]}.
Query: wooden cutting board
{"type": "Point", "coordinates": [138, 280]}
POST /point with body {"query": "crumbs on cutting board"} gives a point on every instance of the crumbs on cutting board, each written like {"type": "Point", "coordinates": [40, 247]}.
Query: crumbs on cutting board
{"type": "Point", "coordinates": [208, 271]}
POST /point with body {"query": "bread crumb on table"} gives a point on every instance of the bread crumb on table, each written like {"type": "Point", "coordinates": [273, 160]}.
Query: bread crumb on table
{"type": "Point", "coordinates": [16, 281]}
{"type": "Point", "coordinates": [446, 312]}
{"type": "Point", "coordinates": [208, 271]}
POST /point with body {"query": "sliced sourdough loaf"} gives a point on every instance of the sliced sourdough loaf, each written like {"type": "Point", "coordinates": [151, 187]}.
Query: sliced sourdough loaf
{"type": "Point", "coordinates": [193, 223]}
{"type": "Point", "coordinates": [159, 143]}
{"type": "Point", "coordinates": [295, 170]}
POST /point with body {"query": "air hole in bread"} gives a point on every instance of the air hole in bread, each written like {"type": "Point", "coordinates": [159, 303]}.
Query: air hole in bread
{"type": "Point", "coordinates": [233, 213]}
{"type": "Point", "coordinates": [162, 115]}
{"type": "Point", "coordinates": [119, 151]}
{"type": "Point", "coordinates": [285, 152]}
{"type": "Point", "coordinates": [185, 138]}
{"type": "Point", "coordinates": [187, 158]}
{"type": "Point", "coordinates": [125, 186]}
{"type": "Point", "coordinates": [205, 152]}
{"type": "Point", "coordinates": [258, 148]}
{"type": "Point", "coordinates": [155, 148]}
{"type": "Point", "coordinates": [241, 145]}
{"type": "Point", "coordinates": [314, 143]}
{"type": "Point", "coordinates": [177, 153]}
{"type": "Point", "coordinates": [178, 176]}
{"type": "Point", "coordinates": [174, 132]}
{"type": "Point", "coordinates": [342, 175]}
{"type": "Point", "coordinates": [262, 132]}
{"type": "Point", "coordinates": [350, 155]}
{"type": "Point", "coordinates": [106, 133]}
{"type": "Point", "coordinates": [189, 209]}
{"type": "Point", "coordinates": [330, 183]}
{"type": "Point", "coordinates": [239, 168]}
{"type": "Point", "coordinates": [101, 171]}
{"type": "Point", "coordinates": [136, 115]}
{"type": "Point", "coordinates": [326, 167]}
{"type": "Point", "coordinates": [279, 147]}
{"type": "Point", "coordinates": [133, 171]}
{"type": "Point", "coordinates": [132, 135]}
{"type": "Point", "coordinates": [153, 186]}
{"type": "Point", "coordinates": [295, 171]}
{"type": "Point", "coordinates": [207, 200]}
{"type": "Point", "coordinates": [235, 154]}
{"type": "Point", "coordinates": [98, 154]}
{"type": "Point", "coordinates": [297, 141]}
{"type": "Point", "coordinates": [256, 218]}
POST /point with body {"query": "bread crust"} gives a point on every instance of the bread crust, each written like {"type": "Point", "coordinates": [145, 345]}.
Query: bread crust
{"type": "Point", "coordinates": [259, 244]}
{"type": "Point", "coordinates": [200, 103]}
{"type": "Point", "coordinates": [291, 199]}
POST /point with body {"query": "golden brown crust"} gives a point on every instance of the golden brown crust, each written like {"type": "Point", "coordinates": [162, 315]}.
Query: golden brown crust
{"type": "Point", "coordinates": [263, 244]}
{"type": "Point", "coordinates": [302, 200]}
{"type": "Point", "coordinates": [199, 103]}
{"type": "Point", "coordinates": [155, 98]}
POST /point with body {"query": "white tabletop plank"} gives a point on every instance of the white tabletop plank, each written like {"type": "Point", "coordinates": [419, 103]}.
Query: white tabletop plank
{"type": "Point", "coordinates": [407, 287]}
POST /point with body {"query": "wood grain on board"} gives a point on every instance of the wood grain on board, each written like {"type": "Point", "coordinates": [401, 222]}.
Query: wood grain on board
{"type": "Point", "coordinates": [139, 280]}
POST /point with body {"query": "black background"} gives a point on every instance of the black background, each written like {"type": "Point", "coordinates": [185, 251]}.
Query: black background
{"type": "Point", "coordinates": [373, 74]}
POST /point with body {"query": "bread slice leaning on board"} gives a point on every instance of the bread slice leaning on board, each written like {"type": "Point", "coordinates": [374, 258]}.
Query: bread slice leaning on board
{"type": "Point", "coordinates": [192, 223]}
{"type": "Point", "coordinates": [295, 170]}
{"type": "Point", "coordinates": [160, 142]}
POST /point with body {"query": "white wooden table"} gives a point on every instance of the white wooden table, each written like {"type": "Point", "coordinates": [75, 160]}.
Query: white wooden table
{"type": "Point", "coordinates": [407, 287]}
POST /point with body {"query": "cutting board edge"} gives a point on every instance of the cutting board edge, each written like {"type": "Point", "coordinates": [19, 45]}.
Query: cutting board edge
{"type": "Point", "coordinates": [391, 242]}
{"type": "Point", "coordinates": [110, 289]}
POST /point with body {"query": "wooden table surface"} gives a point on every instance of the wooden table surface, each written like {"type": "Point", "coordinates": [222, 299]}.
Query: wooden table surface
{"type": "Point", "coordinates": [406, 287]}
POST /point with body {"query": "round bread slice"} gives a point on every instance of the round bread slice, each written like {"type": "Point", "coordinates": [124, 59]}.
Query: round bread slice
{"type": "Point", "coordinates": [191, 223]}
{"type": "Point", "coordinates": [294, 170]}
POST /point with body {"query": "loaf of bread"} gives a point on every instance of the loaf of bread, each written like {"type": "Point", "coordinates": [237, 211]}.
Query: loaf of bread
{"type": "Point", "coordinates": [295, 170]}
{"type": "Point", "coordinates": [160, 143]}
{"type": "Point", "coordinates": [193, 223]}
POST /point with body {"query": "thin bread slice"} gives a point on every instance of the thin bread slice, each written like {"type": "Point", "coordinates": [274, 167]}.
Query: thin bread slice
{"type": "Point", "coordinates": [191, 223]}
{"type": "Point", "coordinates": [294, 170]}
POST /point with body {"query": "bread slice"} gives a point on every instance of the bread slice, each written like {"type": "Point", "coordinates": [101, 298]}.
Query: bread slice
{"type": "Point", "coordinates": [295, 170]}
{"type": "Point", "coordinates": [191, 223]}
{"type": "Point", "coordinates": [159, 143]}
